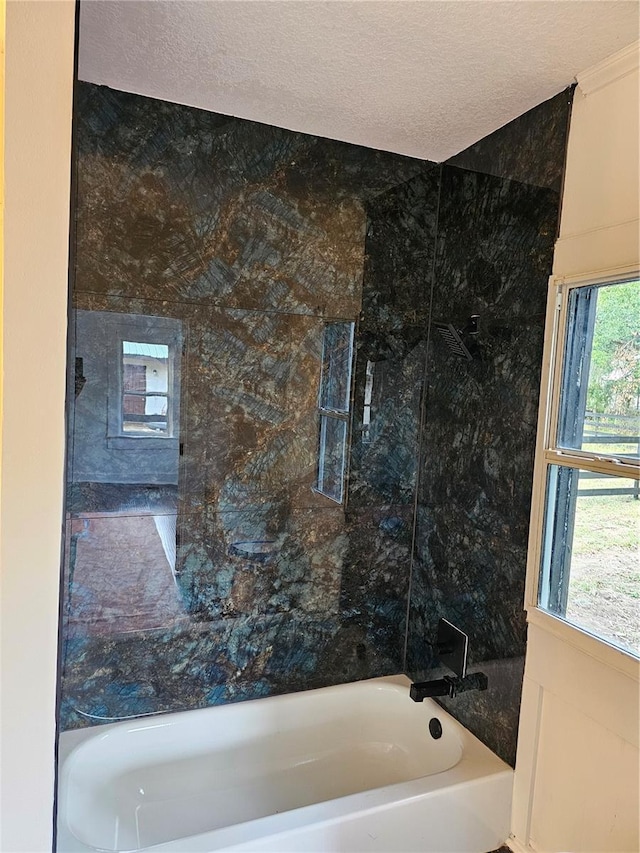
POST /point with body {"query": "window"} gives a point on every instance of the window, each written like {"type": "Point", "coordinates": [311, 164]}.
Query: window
{"type": "Point", "coordinates": [144, 363]}
{"type": "Point", "coordinates": [333, 408]}
{"type": "Point", "coordinates": [589, 567]}
{"type": "Point", "coordinates": [145, 389]}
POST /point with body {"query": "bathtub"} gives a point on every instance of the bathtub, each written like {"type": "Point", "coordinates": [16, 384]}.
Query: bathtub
{"type": "Point", "coordinates": [356, 767]}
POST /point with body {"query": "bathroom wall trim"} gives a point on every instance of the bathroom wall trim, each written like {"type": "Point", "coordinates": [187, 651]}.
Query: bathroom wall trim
{"type": "Point", "coordinates": [599, 249]}
{"type": "Point", "coordinates": [585, 643]}
{"type": "Point", "coordinates": [38, 90]}
{"type": "Point", "coordinates": [612, 68]}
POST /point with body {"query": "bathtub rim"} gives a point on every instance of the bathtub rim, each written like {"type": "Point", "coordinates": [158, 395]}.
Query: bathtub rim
{"type": "Point", "coordinates": [477, 764]}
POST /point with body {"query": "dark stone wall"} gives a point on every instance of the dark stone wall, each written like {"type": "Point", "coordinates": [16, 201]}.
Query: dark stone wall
{"type": "Point", "coordinates": [494, 255]}
{"type": "Point", "coordinates": [530, 149]}
{"type": "Point", "coordinates": [245, 580]}
{"type": "Point", "coordinates": [495, 244]}
{"type": "Point", "coordinates": [250, 239]}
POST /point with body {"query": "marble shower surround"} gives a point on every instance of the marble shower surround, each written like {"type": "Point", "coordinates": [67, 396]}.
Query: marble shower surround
{"type": "Point", "coordinates": [253, 238]}
{"type": "Point", "coordinates": [494, 253]}
{"type": "Point", "coordinates": [498, 218]}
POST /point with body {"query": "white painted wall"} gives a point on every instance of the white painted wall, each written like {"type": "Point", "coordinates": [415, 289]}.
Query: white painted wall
{"type": "Point", "coordinates": [578, 765]}
{"type": "Point", "coordinates": [599, 224]}
{"type": "Point", "coordinates": [38, 90]}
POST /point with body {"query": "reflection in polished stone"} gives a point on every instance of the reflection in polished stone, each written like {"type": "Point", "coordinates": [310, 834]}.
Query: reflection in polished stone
{"type": "Point", "coordinates": [252, 517]}
{"type": "Point", "coordinates": [122, 576]}
{"type": "Point", "coordinates": [254, 245]}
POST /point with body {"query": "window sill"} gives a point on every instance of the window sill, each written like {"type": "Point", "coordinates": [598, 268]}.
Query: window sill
{"type": "Point", "coordinates": [612, 656]}
{"type": "Point", "coordinates": [136, 442]}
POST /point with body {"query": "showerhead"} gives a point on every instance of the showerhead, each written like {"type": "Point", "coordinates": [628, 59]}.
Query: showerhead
{"type": "Point", "coordinates": [455, 343]}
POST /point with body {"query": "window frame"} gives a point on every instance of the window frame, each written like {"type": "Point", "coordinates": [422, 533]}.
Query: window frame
{"type": "Point", "coordinates": [151, 330]}
{"type": "Point", "coordinates": [548, 454]}
{"type": "Point", "coordinates": [144, 395]}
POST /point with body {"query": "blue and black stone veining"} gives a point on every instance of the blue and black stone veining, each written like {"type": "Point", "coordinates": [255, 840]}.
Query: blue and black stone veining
{"type": "Point", "coordinates": [392, 335]}
{"type": "Point", "coordinates": [252, 237]}
{"type": "Point", "coordinates": [187, 205]}
{"type": "Point", "coordinates": [494, 253]}
{"type": "Point", "coordinates": [530, 149]}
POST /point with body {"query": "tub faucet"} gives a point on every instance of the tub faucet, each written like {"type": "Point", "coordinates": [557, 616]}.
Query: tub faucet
{"type": "Point", "coordinates": [452, 646]}
{"type": "Point", "coordinates": [448, 686]}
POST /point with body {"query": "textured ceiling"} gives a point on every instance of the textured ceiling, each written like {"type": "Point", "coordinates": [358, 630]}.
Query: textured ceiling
{"type": "Point", "coordinates": [420, 77]}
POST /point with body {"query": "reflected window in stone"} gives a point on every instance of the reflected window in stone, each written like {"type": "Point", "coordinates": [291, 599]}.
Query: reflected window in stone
{"type": "Point", "coordinates": [368, 396]}
{"type": "Point", "coordinates": [145, 388]}
{"type": "Point", "coordinates": [333, 405]}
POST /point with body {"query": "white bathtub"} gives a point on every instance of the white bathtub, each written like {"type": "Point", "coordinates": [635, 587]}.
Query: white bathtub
{"type": "Point", "coordinates": [346, 768]}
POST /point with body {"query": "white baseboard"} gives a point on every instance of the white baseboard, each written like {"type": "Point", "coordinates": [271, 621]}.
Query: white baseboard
{"type": "Point", "coordinates": [517, 847]}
